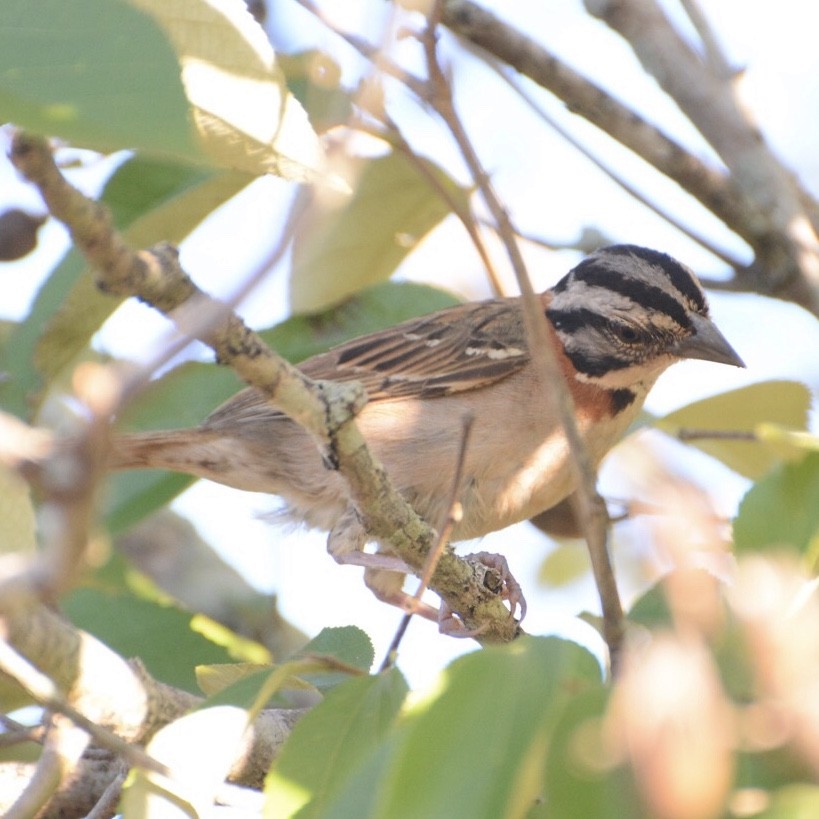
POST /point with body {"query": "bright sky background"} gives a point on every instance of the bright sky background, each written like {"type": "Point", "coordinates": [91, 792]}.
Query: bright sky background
{"type": "Point", "coordinates": [553, 192]}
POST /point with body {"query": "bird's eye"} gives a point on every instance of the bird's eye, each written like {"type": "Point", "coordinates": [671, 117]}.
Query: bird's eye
{"type": "Point", "coordinates": [626, 333]}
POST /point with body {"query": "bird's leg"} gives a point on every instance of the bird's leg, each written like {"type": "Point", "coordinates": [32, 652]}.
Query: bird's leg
{"type": "Point", "coordinates": [383, 573]}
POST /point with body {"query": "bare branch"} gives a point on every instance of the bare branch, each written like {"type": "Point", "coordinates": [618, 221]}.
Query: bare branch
{"type": "Point", "coordinates": [781, 232]}
{"type": "Point", "coordinates": [609, 171]}
{"type": "Point", "coordinates": [324, 409]}
{"type": "Point", "coordinates": [786, 250]}
{"type": "Point", "coordinates": [117, 702]}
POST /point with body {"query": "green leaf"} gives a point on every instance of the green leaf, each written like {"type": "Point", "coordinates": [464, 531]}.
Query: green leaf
{"type": "Point", "coordinates": [314, 78]}
{"type": "Point", "coordinates": [68, 66]}
{"type": "Point", "coordinates": [347, 644]}
{"type": "Point", "coordinates": [566, 563]}
{"type": "Point", "coordinates": [785, 403]}
{"type": "Point", "coordinates": [133, 496]}
{"type": "Point", "coordinates": [782, 509]}
{"type": "Point", "coordinates": [480, 747]}
{"type": "Point", "coordinates": [319, 664]}
{"type": "Point", "coordinates": [150, 201]}
{"type": "Point", "coordinates": [190, 80]}
{"type": "Point", "coordinates": [651, 609]}
{"type": "Point", "coordinates": [159, 634]}
{"type": "Point", "coordinates": [244, 115]}
{"type": "Point", "coordinates": [18, 525]}
{"type": "Point", "coordinates": [580, 782]}
{"type": "Point", "coordinates": [330, 742]}
{"type": "Point", "coordinates": [794, 801]}
{"type": "Point", "coordinates": [361, 240]}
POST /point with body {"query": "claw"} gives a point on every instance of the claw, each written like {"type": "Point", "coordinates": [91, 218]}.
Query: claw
{"type": "Point", "coordinates": [510, 588]}
{"type": "Point", "coordinates": [451, 625]}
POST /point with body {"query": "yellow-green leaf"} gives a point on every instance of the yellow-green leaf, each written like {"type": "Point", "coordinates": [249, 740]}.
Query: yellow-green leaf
{"type": "Point", "coordinates": [785, 403]}
{"type": "Point", "coordinates": [17, 523]}
{"type": "Point", "coordinates": [353, 242]}
{"type": "Point", "coordinates": [568, 562]}
{"type": "Point", "coordinates": [244, 114]}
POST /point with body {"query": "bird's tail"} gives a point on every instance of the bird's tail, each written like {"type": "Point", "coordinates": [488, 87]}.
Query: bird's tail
{"type": "Point", "coordinates": [178, 450]}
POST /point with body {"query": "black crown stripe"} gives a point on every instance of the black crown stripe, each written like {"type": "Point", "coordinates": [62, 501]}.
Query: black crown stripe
{"type": "Point", "coordinates": [594, 273]}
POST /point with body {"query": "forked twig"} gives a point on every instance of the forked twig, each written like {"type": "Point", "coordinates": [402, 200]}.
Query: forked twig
{"type": "Point", "coordinates": [451, 519]}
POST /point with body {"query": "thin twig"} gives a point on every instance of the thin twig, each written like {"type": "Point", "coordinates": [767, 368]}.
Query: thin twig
{"type": "Point", "coordinates": [452, 518]}
{"type": "Point", "coordinates": [609, 171]}
{"type": "Point", "coordinates": [693, 434]}
{"type": "Point", "coordinates": [371, 52]}
{"type": "Point", "coordinates": [714, 55]}
{"type": "Point", "coordinates": [107, 803]}
{"type": "Point", "coordinates": [46, 693]}
{"type": "Point", "coordinates": [594, 516]}
{"type": "Point", "coordinates": [61, 754]}
{"type": "Point", "coordinates": [710, 185]}
{"type": "Point", "coordinates": [772, 214]}
{"type": "Point", "coordinates": [466, 216]}
{"type": "Point", "coordinates": [421, 89]}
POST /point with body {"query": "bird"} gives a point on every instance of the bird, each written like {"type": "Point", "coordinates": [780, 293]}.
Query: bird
{"type": "Point", "coordinates": [617, 321]}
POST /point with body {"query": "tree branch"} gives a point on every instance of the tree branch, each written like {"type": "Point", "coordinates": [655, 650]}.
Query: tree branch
{"type": "Point", "coordinates": [324, 409]}
{"type": "Point", "coordinates": [780, 230]}
{"type": "Point", "coordinates": [117, 702]}
{"type": "Point", "coordinates": [786, 248]}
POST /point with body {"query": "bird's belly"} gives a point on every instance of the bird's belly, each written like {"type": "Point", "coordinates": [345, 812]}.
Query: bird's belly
{"type": "Point", "coordinates": [517, 492]}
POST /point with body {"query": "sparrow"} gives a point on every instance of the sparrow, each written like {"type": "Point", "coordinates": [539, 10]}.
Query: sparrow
{"type": "Point", "coordinates": [617, 321]}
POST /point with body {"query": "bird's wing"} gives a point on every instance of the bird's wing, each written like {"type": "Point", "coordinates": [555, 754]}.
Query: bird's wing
{"type": "Point", "coordinates": [454, 350]}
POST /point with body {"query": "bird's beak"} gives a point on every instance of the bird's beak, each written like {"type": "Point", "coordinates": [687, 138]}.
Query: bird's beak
{"type": "Point", "coordinates": [708, 344]}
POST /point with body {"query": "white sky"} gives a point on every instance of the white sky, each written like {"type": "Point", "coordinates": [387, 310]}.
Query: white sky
{"type": "Point", "coordinates": [553, 192]}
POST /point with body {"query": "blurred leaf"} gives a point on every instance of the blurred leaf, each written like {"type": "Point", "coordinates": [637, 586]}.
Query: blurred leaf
{"type": "Point", "coordinates": [789, 443]}
{"type": "Point", "coordinates": [479, 748]}
{"type": "Point", "coordinates": [198, 749]}
{"type": "Point", "coordinates": [651, 609]}
{"type": "Point", "coordinates": [568, 562]}
{"type": "Point", "coordinates": [782, 509]}
{"type": "Point", "coordinates": [785, 403]}
{"type": "Point", "coordinates": [581, 783]}
{"type": "Point", "coordinates": [243, 113]}
{"type": "Point", "coordinates": [240, 648]}
{"type": "Point", "coordinates": [159, 634]}
{"type": "Point", "coordinates": [150, 201]}
{"type": "Point", "coordinates": [161, 67]}
{"type": "Point", "coordinates": [133, 496]}
{"type": "Point", "coordinates": [67, 66]}
{"type": "Point", "coordinates": [18, 525]}
{"type": "Point", "coordinates": [213, 679]}
{"type": "Point", "coordinates": [188, 393]}
{"type": "Point", "coordinates": [314, 78]}
{"type": "Point", "coordinates": [330, 741]}
{"type": "Point", "coordinates": [362, 239]}
{"type": "Point", "coordinates": [794, 801]}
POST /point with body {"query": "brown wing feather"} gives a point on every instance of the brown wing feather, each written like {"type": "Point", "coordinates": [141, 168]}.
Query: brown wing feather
{"type": "Point", "coordinates": [454, 350]}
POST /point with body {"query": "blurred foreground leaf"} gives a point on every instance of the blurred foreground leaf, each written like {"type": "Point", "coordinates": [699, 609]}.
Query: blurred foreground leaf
{"type": "Point", "coordinates": [782, 509]}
